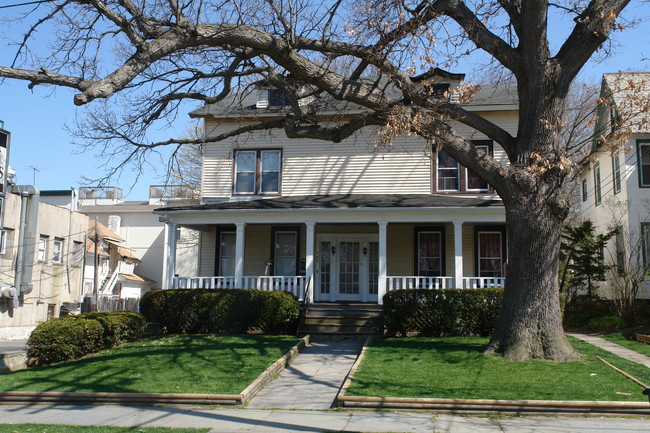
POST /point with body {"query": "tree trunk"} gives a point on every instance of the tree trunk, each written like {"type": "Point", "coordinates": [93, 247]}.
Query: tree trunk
{"type": "Point", "coordinates": [530, 324]}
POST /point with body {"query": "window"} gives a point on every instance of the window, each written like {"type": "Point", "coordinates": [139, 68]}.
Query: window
{"type": "Point", "coordinates": [77, 254]}
{"type": "Point", "coordinates": [257, 172]}
{"type": "Point", "coordinates": [643, 158]}
{"type": "Point", "coordinates": [42, 248]}
{"type": "Point", "coordinates": [57, 251]}
{"type": "Point", "coordinates": [597, 190]}
{"type": "Point", "coordinates": [585, 190]}
{"type": "Point", "coordinates": [645, 232]}
{"type": "Point", "coordinates": [6, 242]}
{"type": "Point", "coordinates": [616, 173]}
{"type": "Point", "coordinates": [285, 252]}
{"type": "Point", "coordinates": [226, 253]}
{"type": "Point", "coordinates": [490, 251]}
{"type": "Point", "coordinates": [429, 252]}
{"type": "Point", "coordinates": [450, 176]}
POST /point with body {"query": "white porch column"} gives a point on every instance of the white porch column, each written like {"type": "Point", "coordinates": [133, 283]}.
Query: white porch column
{"type": "Point", "coordinates": [239, 255]}
{"type": "Point", "coordinates": [169, 257]}
{"type": "Point", "coordinates": [382, 261]}
{"type": "Point", "coordinates": [458, 254]}
{"type": "Point", "coordinates": [309, 260]}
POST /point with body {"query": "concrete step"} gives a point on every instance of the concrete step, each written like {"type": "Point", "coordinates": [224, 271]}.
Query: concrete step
{"type": "Point", "coordinates": [340, 329]}
{"type": "Point", "coordinates": [357, 321]}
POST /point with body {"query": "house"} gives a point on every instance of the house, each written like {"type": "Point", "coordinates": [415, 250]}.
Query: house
{"type": "Point", "coordinates": [41, 256]}
{"type": "Point", "coordinates": [341, 221]}
{"type": "Point", "coordinates": [615, 179]}
{"type": "Point", "coordinates": [110, 266]}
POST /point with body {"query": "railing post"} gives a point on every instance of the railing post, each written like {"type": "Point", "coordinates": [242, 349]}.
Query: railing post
{"type": "Point", "coordinates": [382, 261]}
{"type": "Point", "coordinates": [169, 258]}
{"type": "Point", "coordinates": [309, 262]}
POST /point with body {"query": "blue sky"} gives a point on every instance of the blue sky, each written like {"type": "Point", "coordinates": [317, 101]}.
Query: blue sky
{"type": "Point", "coordinates": [41, 146]}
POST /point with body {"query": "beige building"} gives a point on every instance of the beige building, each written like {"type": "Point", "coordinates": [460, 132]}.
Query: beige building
{"type": "Point", "coordinates": [42, 275]}
{"type": "Point", "coordinates": [342, 221]}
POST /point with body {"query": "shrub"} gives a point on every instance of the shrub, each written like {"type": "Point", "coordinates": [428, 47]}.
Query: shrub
{"type": "Point", "coordinates": [607, 322]}
{"type": "Point", "coordinates": [72, 337]}
{"type": "Point", "coordinates": [220, 310]}
{"type": "Point", "coordinates": [62, 339]}
{"type": "Point", "coordinates": [442, 312]}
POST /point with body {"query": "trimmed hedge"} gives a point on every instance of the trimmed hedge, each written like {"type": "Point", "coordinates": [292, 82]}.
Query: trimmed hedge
{"type": "Point", "coordinates": [227, 311]}
{"type": "Point", "coordinates": [72, 337]}
{"type": "Point", "coordinates": [445, 312]}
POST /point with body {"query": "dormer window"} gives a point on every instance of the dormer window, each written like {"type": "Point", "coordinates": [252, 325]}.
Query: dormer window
{"type": "Point", "coordinates": [257, 172]}
{"type": "Point", "coordinates": [272, 98]}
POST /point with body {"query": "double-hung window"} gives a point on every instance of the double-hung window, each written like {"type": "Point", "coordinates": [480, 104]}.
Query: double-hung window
{"type": "Point", "coordinates": [257, 172]}
{"type": "Point", "coordinates": [226, 253]}
{"type": "Point", "coordinates": [42, 248]}
{"type": "Point", "coordinates": [57, 251]}
{"type": "Point", "coordinates": [597, 186]}
{"type": "Point", "coordinates": [616, 173]}
{"type": "Point", "coordinates": [450, 176]}
{"type": "Point", "coordinates": [490, 251]}
{"type": "Point", "coordinates": [585, 190]}
{"type": "Point", "coordinates": [643, 158]}
{"type": "Point", "coordinates": [429, 245]}
{"type": "Point", "coordinates": [285, 251]}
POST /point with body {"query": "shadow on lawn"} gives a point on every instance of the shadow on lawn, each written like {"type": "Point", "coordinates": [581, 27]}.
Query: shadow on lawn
{"type": "Point", "coordinates": [176, 363]}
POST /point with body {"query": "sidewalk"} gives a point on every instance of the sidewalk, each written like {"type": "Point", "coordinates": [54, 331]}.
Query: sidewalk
{"type": "Point", "coordinates": [313, 379]}
{"type": "Point", "coordinates": [276, 421]}
{"type": "Point", "coordinates": [617, 350]}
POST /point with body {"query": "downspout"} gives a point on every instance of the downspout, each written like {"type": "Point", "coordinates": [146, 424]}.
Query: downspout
{"type": "Point", "coordinates": [67, 253]}
{"type": "Point", "coordinates": [29, 199]}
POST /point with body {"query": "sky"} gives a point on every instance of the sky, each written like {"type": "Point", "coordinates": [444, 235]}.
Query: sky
{"type": "Point", "coordinates": [42, 152]}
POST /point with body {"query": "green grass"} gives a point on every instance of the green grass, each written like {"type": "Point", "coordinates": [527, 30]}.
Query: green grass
{"type": "Point", "coordinates": [457, 368]}
{"type": "Point", "coordinates": [180, 364]}
{"type": "Point", "coordinates": [621, 340]}
{"type": "Point", "coordinates": [54, 428]}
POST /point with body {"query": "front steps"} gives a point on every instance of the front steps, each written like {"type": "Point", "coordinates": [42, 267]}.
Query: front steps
{"type": "Point", "coordinates": [343, 319]}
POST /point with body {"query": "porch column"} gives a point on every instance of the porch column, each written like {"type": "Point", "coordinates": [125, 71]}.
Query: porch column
{"type": "Point", "coordinates": [239, 255]}
{"type": "Point", "coordinates": [309, 260]}
{"type": "Point", "coordinates": [458, 254]}
{"type": "Point", "coordinates": [169, 257]}
{"type": "Point", "coordinates": [382, 261]}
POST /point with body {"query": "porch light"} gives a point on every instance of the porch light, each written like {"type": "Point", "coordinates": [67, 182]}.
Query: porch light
{"type": "Point", "coordinates": [333, 249]}
{"type": "Point", "coordinates": [365, 251]}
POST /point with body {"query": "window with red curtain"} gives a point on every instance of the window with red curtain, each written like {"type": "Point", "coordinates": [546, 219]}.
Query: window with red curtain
{"type": "Point", "coordinates": [490, 254]}
{"type": "Point", "coordinates": [429, 253]}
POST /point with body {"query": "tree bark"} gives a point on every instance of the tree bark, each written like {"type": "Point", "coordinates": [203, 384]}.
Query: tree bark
{"type": "Point", "coordinates": [530, 323]}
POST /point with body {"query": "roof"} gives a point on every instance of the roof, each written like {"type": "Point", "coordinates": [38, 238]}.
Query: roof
{"type": "Point", "coordinates": [244, 105]}
{"type": "Point", "coordinates": [125, 253]}
{"type": "Point", "coordinates": [630, 94]}
{"type": "Point", "coordinates": [135, 277]}
{"type": "Point", "coordinates": [349, 201]}
{"type": "Point", "coordinates": [126, 206]}
{"type": "Point", "coordinates": [90, 248]}
{"type": "Point", "coordinates": [56, 192]}
{"type": "Point", "coordinates": [103, 232]}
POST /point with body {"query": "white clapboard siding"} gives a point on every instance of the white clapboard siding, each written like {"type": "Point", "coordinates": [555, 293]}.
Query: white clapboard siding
{"type": "Point", "coordinates": [355, 166]}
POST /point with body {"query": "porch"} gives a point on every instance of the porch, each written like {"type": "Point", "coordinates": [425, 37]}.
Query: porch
{"type": "Point", "coordinates": [343, 248]}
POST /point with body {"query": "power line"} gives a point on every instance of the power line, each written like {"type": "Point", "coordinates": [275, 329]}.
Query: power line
{"type": "Point", "coordinates": [35, 2]}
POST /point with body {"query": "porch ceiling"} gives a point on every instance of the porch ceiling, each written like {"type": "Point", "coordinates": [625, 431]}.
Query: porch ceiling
{"type": "Point", "coordinates": [369, 208]}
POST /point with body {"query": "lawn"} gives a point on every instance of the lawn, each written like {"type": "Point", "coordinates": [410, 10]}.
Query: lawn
{"type": "Point", "coordinates": [197, 364]}
{"type": "Point", "coordinates": [54, 428]}
{"type": "Point", "coordinates": [621, 340]}
{"type": "Point", "coordinates": [457, 368]}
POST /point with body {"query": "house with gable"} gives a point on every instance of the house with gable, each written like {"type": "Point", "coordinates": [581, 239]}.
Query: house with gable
{"type": "Point", "coordinates": [341, 222]}
{"type": "Point", "coordinates": [615, 179]}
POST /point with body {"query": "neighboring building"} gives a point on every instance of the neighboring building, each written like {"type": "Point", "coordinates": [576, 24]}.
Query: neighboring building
{"type": "Point", "coordinates": [615, 180]}
{"type": "Point", "coordinates": [114, 265]}
{"type": "Point", "coordinates": [344, 220]}
{"type": "Point", "coordinates": [42, 275]}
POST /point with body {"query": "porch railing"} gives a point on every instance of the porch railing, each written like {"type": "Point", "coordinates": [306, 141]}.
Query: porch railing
{"type": "Point", "coordinates": [396, 283]}
{"type": "Point", "coordinates": [294, 285]}
{"type": "Point", "coordinates": [483, 282]}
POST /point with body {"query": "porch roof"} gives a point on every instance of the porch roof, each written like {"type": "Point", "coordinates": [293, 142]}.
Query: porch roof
{"type": "Point", "coordinates": [349, 201]}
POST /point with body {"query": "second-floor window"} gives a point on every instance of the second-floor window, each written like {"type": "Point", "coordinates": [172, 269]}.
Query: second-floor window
{"type": "Point", "coordinates": [257, 172]}
{"type": "Point", "coordinates": [597, 190]}
{"type": "Point", "coordinates": [643, 157]}
{"type": "Point", "coordinates": [57, 251]}
{"type": "Point", "coordinates": [42, 249]}
{"type": "Point", "coordinates": [585, 190]}
{"type": "Point", "coordinates": [449, 175]}
{"type": "Point", "coordinates": [616, 173]}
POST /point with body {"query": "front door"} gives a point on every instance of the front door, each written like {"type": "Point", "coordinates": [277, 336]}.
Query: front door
{"type": "Point", "coordinates": [347, 268]}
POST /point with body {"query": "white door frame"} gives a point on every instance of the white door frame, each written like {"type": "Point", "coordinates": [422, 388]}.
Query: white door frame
{"type": "Point", "coordinates": [335, 239]}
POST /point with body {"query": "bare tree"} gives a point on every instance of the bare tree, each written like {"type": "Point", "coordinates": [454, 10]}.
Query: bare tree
{"type": "Point", "coordinates": [154, 54]}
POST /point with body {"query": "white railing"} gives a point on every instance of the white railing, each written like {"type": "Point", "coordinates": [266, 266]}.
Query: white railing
{"type": "Point", "coordinates": [293, 285]}
{"type": "Point", "coordinates": [107, 289]}
{"type": "Point", "coordinates": [396, 283]}
{"type": "Point", "coordinates": [483, 282]}
{"type": "Point", "coordinates": [203, 283]}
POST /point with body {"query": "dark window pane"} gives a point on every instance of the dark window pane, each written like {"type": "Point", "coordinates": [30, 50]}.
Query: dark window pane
{"type": "Point", "coordinates": [245, 183]}
{"type": "Point", "coordinates": [270, 182]}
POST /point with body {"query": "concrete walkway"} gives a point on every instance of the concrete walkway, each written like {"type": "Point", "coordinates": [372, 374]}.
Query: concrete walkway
{"type": "Point", "coordinates": [614, 348]}
{"type": "Point", "coordinates": [276, 421]}
{"type": "Point", "coordinates": [313, 379]}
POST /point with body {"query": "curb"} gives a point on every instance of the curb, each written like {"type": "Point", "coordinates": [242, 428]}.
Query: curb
{"type": "Point", "coordinates": [456, 405]}
{"type": "Point", "coordinates": [153, 398]}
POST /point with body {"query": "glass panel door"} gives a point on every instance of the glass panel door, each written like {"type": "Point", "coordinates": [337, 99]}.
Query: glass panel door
{"type": "Point", "coordinates": [349, 270]}
{"type": "Point", "coordinates": [324, 268]}
{"type": "Point", "coordinates": [373, 268]}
